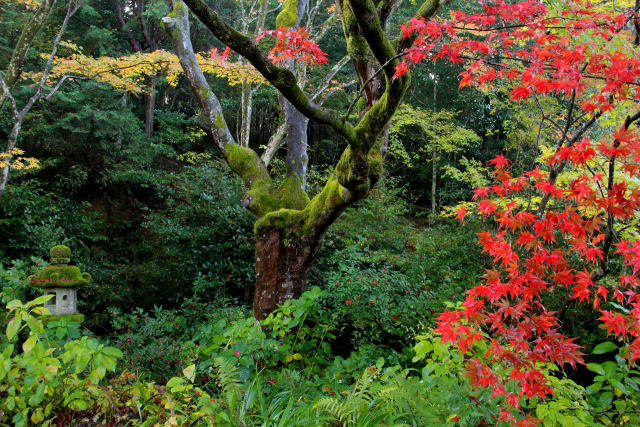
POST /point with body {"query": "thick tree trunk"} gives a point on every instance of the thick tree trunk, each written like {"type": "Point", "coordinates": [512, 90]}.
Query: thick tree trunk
{"type": "Point", "coordinates": [282, 266]}
{"type": "Point", "coordinates": [296, 129]}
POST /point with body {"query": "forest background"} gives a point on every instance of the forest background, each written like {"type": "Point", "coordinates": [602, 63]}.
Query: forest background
{"type": "Point", "coordinates": [113, 160]}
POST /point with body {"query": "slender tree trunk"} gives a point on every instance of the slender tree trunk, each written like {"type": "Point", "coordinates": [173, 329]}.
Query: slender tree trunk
{"type": "Point", "coordinates": [11, 144]}
{"type": "Point", "coordinates": [245, 127]}
{"type": "Point", "coordinates": [434, 176]}
{"type": "Point", "coordinates": [150, 106]}
{"type": "Point", "coordinates": [19, 115]}
{"type": "Point", "coordinates": [29, 31]}
{"type": "Point", "coordinates": [282, 266]}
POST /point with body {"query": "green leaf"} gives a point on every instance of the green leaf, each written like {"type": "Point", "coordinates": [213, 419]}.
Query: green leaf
{"type": "Point", "coordinates": [14, 304]}
{"type": "Point", "coordinates": [13, 327]}
{"type": "Point", "coordinates": [594, 367]}
{"type": "Point", "coordinates": [594, 388]}
{"type": "Point", "coordinates": [112, 351]}
{"type": "Point", "coordinates": [174, 381]}
{"type": "Point", "coordinates": [617, 384]}
{"type": "Point", "coordinates": [604, 347]}
{"type": "Point", "coordinates": [40, 300]}
{"type": "Point", "coordinates": [61, 332]}
{"type": "Point", "coordinates": [606, 398]}
{"type": "Point", "coordinates": [190, 372]}
{"type": "Point", "coordinates": [28, 345]}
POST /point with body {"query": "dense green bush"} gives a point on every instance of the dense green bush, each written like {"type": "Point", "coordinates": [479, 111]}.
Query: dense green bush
{"type": "Point", "coordinates": [158, 344]}
{"type": "Point", "coordinates": [386, 276]}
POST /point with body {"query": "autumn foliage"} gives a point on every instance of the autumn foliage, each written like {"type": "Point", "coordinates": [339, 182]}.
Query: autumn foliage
{"type": "Point", "coordinates": [294, 43]}
{"type": "Point", "coordinates": [548, 237]}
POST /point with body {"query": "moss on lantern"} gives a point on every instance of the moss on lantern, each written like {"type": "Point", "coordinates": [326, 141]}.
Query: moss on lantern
{"type": "Point", "coordinates": [77, 318]}
{"type": "Point", "coordinates": [59, 274]}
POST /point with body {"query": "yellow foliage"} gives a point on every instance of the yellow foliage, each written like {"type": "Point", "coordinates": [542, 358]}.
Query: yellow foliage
{"type": "Point", "coordinates": [15, 160]}
{"type": "Point", "coordinates": [30, 4]}
{"type": "Point", "coordinates": [194, 158]}
{"type": "Point", "coordinates": [128, 73]}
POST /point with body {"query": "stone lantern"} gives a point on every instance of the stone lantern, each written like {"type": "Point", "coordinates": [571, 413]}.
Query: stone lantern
{"type": "Point", "coordinates": [61, 280]}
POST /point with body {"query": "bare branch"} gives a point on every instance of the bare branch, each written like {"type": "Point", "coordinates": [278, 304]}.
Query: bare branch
{"type": "Point", "coordinates": [7, 93]}
{"type": "Point", "coordinates": [329, 76]}
{"type": "Point", "coordinates": [177, 27]}
{"type": "Point", "coordinates": [275, 142]}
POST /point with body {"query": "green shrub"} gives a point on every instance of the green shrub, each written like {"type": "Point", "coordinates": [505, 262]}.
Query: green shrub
{"type": "Point", "coordinates": [159, 344]}
{"type": "Point", "coordinates": [49, 373]}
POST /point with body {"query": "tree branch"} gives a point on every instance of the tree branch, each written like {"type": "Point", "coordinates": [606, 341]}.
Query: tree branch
{"type": "Point", "coordinates": [281, 78]}
{"type": "Point", "coordinates": [177, 28]}
{"type": "Point", "coordinates": [7, 93]}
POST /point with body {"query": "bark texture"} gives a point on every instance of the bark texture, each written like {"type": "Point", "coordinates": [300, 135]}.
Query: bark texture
{"type": "Point", "coordinates": [282, 266]}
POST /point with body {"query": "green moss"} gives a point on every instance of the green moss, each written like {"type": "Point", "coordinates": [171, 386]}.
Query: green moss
{"type": "Point", "coordinates": [77, 318]}
{"type": "Point", "coordinates": [261, 197]}
{"type": "Point", "coordinates": [219, 119]}
{"type": "Point", "coordinates": [288, 16]}
{"type": "Point", "coordinates": [60, 251]}
{"type": "Point", "coordinates": [179, 9]}
{"type": "Point", "coordinates": [289, 221]}
{"type": "Point", "coordinates": [352, 171]}
{"type": "Point", "coordinates": [67, 276]}
{"type": "Point", "coordinates": [357, 46]}
{"type": "Point", "coordinates": [305, 223]}
{"type": "Point", "coordinates": [291, 194]}
{"type": "Point", "coordinates": [246, 163]}
{"type": "Point", "coordinates": [59, 275]}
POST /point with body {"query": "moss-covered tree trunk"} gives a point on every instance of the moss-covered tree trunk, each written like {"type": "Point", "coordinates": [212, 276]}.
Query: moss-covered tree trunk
{"type": "Point", "coordinates": [289, 225]}
{"type": "Point", "coordinates": [282, 267]}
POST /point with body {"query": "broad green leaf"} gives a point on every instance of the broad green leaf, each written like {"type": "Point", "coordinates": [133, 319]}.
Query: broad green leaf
{"type": "Point", "coordinates": [190, 372]}
{"type": "Point", "coordinates": [594, 367]}
{"type": "Point", "coordinates": [13, 327]}
{"type": "Point", "coordinates": [174, 381]}
{"type": "Point", "coordinates": [40, 300]}
{"type": "Point", "coordinates": [14, 304]}
{"type": "Point", "coordinates": [28, 345]}
{"type": "Point", "coordinates": [604, 347]}
{"type": "Point", "coordinates": [112, 351]}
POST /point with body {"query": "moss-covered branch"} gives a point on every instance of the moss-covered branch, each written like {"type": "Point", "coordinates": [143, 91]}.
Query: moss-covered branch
{"type": "Point", "coordinates": [281, 78]}
{"type": "Point", "coordinates": [371, 29]}
{"type": "Point", "coordinates": [176, 26]}
{"type": "Point", "coordinates": [427, 10]}
{"type": "Point", "coordinates": [262, 196]}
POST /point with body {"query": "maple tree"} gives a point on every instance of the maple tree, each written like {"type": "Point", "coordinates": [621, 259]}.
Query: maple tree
{"type": "Point", "coordinates": [567, 225]}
